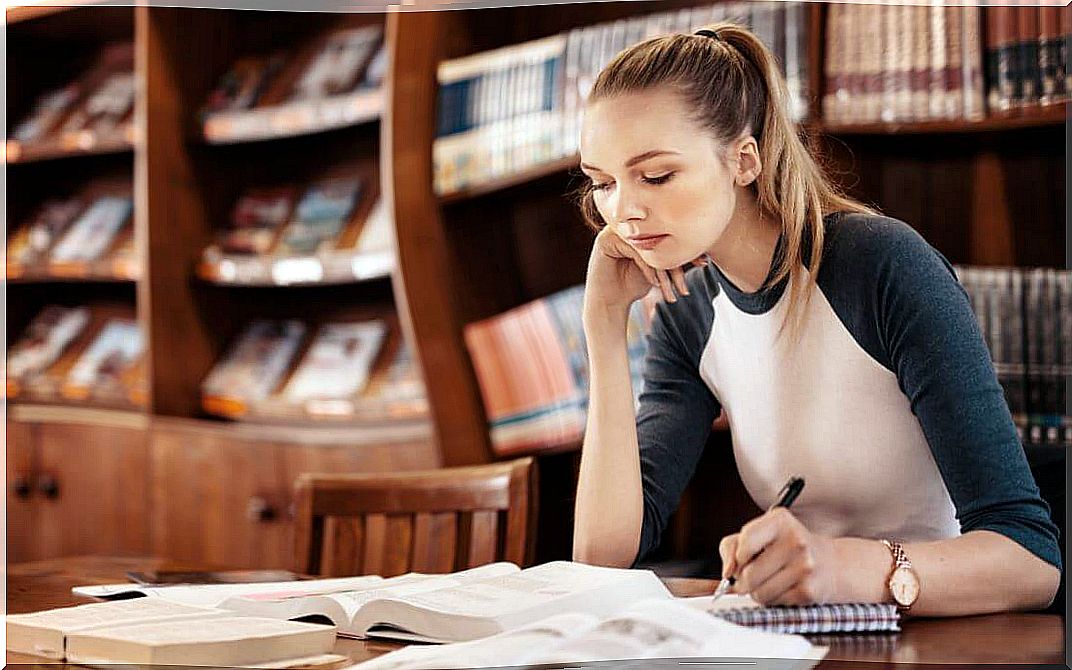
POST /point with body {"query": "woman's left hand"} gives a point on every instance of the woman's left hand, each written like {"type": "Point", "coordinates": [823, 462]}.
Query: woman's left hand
{"type": "Point", "coordinates": [780, 562]}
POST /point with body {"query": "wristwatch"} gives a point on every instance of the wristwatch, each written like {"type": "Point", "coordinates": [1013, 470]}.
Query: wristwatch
{"type": "Point", "coordinates": [903, 582]}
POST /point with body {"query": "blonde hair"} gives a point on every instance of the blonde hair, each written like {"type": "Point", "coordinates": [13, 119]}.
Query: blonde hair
{"type": "Point", "coordinates": [734, 85]}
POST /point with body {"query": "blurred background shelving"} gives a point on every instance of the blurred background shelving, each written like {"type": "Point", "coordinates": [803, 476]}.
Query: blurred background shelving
{"type": "Point", "coordinates": [216, 118]}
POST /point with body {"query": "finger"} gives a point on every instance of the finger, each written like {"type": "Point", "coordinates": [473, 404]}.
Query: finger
{"type": "Point", "coordinates": [666, 287]}
{"type": "Point", "coordinates": [698, 262]}
{"type": "Point", "coordinates": [726, 549]}
{"type": "Point", "coordinates": [779, 588]}
{"type": "Point", "coordinates": [772, 560]}
{"type": "Point", "coordinates": [760, 532]}
{"type": "Point", "coordinates": [649, 272]}
{"type": "Point", "coordinates": [679, 281]}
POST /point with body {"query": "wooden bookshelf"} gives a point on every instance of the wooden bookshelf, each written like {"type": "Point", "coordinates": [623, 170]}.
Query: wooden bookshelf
{"type": "Point", "coordinates": [77, 145]}
{"type": "Point", "coordinates": [288, 120]}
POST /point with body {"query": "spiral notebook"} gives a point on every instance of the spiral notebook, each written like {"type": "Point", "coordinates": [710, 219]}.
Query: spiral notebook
{"type": "Point", "coordinates": [802, 619]}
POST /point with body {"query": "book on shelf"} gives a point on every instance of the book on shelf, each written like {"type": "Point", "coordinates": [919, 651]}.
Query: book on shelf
{"type": "Point", "coordinates": [46, 112]}
{"type": "Point", "coordinates": [338, 362]}
{"type": "Point", "coordinates": [531, 365]}
{"type": "Point", "coordinates": [503, 111]}
{"type": "Point", "coordinates": [1025, 317]}
{"type": "Point", "coordinates": [320, 216]}
{"type": "Point", "coordinates": [253, 366]}
{"type": "Point", "coordinates": [28, 247]}
{"type": "Point", "coordinates": [258, 216]}
{"type": "Point", "coordinates": [244, 83]}
{"type": "Point", "coordinates": [339, 65]}
{"type": "Point", "coordinates": [156, 631]}
{"type": "Point", "coordinates": [93, 232]}
{"type": "Point", "coordinates": [397, 392]}
{"type": "Point", "coordinates": [109, 366]}
{"type": "Point", "coordinates": [47, 337]}
{"type": "Point", "coordinates": [644, 629]}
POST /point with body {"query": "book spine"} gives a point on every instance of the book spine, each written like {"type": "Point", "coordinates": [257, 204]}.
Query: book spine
{"type": "Point", "coordinates": [954, 75]}
{"type": "Point", "coordinates": [873, 48]}
{"type": "Point", "coordinates": [920, 61]}
{"type": "Point", "coordinates": [834, 86]}
{"type": "Point", "coordinates": [890, 63]}
{"type": "Point", "coordinates": [1065, 82]}
{"type": "Point", "coordinates": [936, 108]}
{"type": "Point", "coordinates": [1008, 61]}
{"type": "Point", "coordinates": [1049, 53]}
{"type": "Point", "coordinates": [974, 83]}
{"type": "Point", "coordinates": [1028, 47]}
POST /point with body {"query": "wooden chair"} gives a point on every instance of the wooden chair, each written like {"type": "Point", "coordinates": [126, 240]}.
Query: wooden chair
{"type": "Point", "coordinates": [425, 521]}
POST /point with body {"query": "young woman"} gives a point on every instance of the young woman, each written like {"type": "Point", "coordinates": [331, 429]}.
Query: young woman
{"type": "Point", "coordinates": [837, 341]}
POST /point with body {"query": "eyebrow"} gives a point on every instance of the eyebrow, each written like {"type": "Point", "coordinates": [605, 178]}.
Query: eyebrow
{"type": "Point", "coordinates": [639, 158]}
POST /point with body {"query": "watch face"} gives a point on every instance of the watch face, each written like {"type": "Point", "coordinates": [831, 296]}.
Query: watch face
{"type": "Point", "coordinates": [904, 586]}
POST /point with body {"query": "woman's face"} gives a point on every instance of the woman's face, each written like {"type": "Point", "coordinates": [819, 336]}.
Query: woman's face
{"type": "Point", "coordinates": [662, 182]}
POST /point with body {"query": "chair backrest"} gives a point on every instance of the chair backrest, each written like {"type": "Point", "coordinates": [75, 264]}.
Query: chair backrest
{"type": "Point", "coordinates": [422, 521]}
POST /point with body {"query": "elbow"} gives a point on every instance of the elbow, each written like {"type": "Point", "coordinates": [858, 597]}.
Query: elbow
{"type": "Point", "coordinates": [602, 552]}
{"type": "Point", "coordinates": [1048, 584]}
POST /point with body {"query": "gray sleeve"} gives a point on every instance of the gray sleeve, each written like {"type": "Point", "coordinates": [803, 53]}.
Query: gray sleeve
{"type": "Point", "coordinates": [929, 337]}
{"type": "Point", "coordinates": [676, 409]}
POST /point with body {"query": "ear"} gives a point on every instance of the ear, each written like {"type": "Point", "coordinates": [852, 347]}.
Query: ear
{"type": "Point", "coordinates": [745, 155]}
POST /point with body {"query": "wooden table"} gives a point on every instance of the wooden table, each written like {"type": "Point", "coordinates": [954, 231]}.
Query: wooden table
{"type": "Point", "coordinates": [1004, 638]}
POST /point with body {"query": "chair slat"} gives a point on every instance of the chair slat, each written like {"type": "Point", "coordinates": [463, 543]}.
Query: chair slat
{"type": "Point", "coordinates": [343, 553]}
{"type": "Point", "coordinates": [398, 536]}
{"type": "Point", "coordinates": [434, 542]}
{"type": "Point", "coordinates": [375, 544]}
{"type": "Point", "coordinates": [484, 540]}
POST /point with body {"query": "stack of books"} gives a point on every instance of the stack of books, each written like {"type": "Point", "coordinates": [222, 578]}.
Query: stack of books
{"type": "Point", "coordinates": [495, 615]}
{"type": "Point", "coordinates": [94, 109]}
{"type": "Point", "coordinates": [910, 63]}
{"type": "Point", "coordinates": [503, 111]}
{"type": "Point", "coordinates": [531, 365]}
{"type": "Point", "coordinates": [79, 354]}
{"type": "Point", "coordinates": [339, 371]}
{"type": "Point", "coordinates": [1025, 316]}
{"type": "Point", "coordinates": [88, 235]}
{"type": "Point", "coordinates": [334, 82]}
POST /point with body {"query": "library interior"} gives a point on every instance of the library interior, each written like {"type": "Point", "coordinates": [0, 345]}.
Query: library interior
{"type": "Point", "coordinates": [194, 389]}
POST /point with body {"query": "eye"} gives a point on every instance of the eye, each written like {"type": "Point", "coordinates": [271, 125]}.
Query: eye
{"type": "Point", "coordinates": [661, 179]}
{"type": "Point", "coordinates": [601, 187]}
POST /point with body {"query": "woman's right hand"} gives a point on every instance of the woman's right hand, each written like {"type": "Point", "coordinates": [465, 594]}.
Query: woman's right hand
{"type": "Point", "coordinates": [618, 276]}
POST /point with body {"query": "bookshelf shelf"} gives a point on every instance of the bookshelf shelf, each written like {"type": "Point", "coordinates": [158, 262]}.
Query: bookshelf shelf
{"type": "Point", "coordinates": [1051, 116]}
{"type": "Point", "coordinates": [290, 120]}
{"type": "Point", "coordinates": [502, 183]}
{"type": "Point", "coordinates": [339, 268]}
{"type": "Point", "coordinates": [68, 147]}
{"type": "Point", "coordinates": [30, 278]}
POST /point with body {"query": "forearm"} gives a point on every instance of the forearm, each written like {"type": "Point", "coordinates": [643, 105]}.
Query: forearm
{"type": "Point", "coordinates": [609, 508]}
{"type": "Point", "coordinates": [976, 573]}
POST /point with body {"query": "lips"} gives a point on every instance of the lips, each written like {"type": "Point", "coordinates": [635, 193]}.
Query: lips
{"type": "Point", "coordinates": [647, 241]}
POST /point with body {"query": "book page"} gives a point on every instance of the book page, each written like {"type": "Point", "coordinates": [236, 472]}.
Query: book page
{"type": "Point", "coordinates": [94, 615]}
{"type": "Point", "coordinates": [406, 586]}
{"type": "Point", "coordinates": [212, 595]}
{"type": "Point", "coordinates": [210, 630]}
{"type": "Point", "coordinates": [528, 589]}
{"type": "Point", "coordinates": [670, 629]}
{"type": "Point", "coordinates": [509, 648]}
{"type": "Point", "coordinates": [727, 602]}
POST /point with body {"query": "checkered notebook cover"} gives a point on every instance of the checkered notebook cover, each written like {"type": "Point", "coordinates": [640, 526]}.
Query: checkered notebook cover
{"type": "Point", "coordinates": [803, 619]}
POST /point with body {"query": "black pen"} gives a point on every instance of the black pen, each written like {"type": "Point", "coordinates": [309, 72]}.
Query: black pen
{"type": "Point", "coordinates": [788, 494]}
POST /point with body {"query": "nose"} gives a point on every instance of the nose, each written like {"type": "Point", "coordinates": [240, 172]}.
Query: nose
{"type": "Point", "coordinates": [626, 205]}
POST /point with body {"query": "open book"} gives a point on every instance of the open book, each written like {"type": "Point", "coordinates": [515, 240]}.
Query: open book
{"type": "Point", "coordinates": [648, 629]}
{"type": "Point", "coordinates": [150, 630]}
{"type": "Point", "coordinates": [465, 605]}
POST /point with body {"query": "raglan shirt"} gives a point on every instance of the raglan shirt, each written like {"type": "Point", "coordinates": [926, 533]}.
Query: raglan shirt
{"type": "Point", "coordinates": [887, 403]}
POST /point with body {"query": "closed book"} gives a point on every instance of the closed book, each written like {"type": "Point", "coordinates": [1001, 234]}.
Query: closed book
{"type": "Point", "coordinates": [973, 74]}
{"type": "Point", "coordinates": [1050, 54]}
{"type": "Point", "coordinates": [1027, 42]}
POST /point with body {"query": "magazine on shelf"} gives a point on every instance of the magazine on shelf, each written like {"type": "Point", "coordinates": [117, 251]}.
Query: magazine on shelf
{"type": "Point", "coordinates": [50, 334]}
{"type": "Point", "coordinates": [321, 214]}
{"type": "Point", "coordinates": [46, 113]}
{"type": "Point", "coordinates": [31, 242]}
{"type": "Point", "coordinates": [340, 63]}
{"type": "Point", "coordinates": [256, 220]}
{"type": "Point", "coordinates": [149, 630]}
{"type": "Point", "coordinates": [256, 362]}
{"type": "Point", "coordinates": [90, 235]}
{"type": "Point", "coordinates": [104, 364]}
{"type": "Point", "coordinates": [338, 362]}
{"type": "Point", "coordinates": [643, 629]}
{"type": "Point", "coordinates": [106, 108]}
{"type": "Point", "coordinates": [242, 86]}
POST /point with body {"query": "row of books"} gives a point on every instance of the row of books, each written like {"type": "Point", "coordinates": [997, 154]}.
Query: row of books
{"type": "Point", "coordinates": [306, 89]}
{"type": "Point", "coordinates": [502, 111]}
{"type": "Point", "coordinates": [334, 229]}
{"type": "Point", "coordinates": [1025, 316]}
{"type": "Point", "coordinates": [493, 615]}
{"type": "Point", "coordinates": [531, 364]}
{"type": "Point", "coordinates": [96, 107]}
{"type": "Point", "coordinates": [900, 63]}
{"type": "Point", "coordinates": [287, 369]}
{"type": "Point", "coordinates": [79, 354]}
{"type": "Point", "coordinates": [88, 234]}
